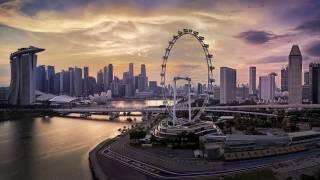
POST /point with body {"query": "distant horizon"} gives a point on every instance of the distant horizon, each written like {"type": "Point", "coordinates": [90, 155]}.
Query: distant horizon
{"type": "Point", "coordinates": [240, 34]}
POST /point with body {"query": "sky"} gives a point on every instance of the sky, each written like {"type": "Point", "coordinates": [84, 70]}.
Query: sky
{"type": "Point", "coordinates": [240, 33]}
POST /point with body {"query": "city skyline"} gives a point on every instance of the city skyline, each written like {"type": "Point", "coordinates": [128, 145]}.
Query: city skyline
{"type": "Point", "coordinates": [139, 32]}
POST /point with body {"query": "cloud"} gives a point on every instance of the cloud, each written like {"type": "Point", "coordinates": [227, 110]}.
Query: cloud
{"type": "Point", "coordinates": [314, 49]}
{"type": "Point", "coordinates": [189, 66]}
{"type": "Point", "coordinates": [272, 59]}
{"type": "Point", "coordinates": [312, 26]}
{"type": "Point", "coordinates": [256, 37]}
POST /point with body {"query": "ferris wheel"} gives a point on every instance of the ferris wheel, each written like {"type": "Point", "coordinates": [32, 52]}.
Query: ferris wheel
{"type": "Point", "coordinates": [207, 58]}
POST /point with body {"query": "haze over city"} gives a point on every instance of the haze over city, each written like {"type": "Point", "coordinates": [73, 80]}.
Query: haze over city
{"type": "Point", "coordinates": [97, 33]}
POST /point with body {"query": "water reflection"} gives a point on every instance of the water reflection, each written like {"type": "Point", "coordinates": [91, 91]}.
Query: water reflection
{"type": "Point", "coordinates": [138, 103]}
{"type": "Point", "coordinates": [52, 148]}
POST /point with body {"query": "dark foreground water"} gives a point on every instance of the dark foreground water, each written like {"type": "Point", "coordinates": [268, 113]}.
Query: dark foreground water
{"type": "Point", "coordinates": [55, 148]}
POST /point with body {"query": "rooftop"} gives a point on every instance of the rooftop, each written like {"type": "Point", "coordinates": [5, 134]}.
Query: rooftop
{"type": "Point", "coordinates": [63, 99]}
{"type": "Point", "coordinates": [295, 51]}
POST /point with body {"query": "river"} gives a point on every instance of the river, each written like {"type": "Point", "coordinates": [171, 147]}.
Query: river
{"type": "Point", "coordinates": [53, 148]}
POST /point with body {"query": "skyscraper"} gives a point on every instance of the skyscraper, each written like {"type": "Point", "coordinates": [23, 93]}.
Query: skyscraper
{"type": "Point", "coordinates": [153, 86]}
{"type": "Point", "coordinates": [143, 79]}
{"type": "Point", "coordinates": [284, 79]}
{"type": "Point", "coordinates": [85, 81]}
{"type": "Point", "coordinates": [110, 74]}
{"type": "Point", "coordinates": [77, 82]}
{"type": "Point", "coordinates": [57, 83]}
{"type": "Point", "coordinates": [71, 82]}
{"type": "Point", "coordinates": [41, 78]}
{"type": "Point", "coordinates": [66, 82]}
{"type": "Point", "coordinates": [105, 79]}
{"type": "Point", "coordinates": [228, 85]}
{"type": "Point", "coordinates": [50, 75]}
{"type": "Point", "coordinates": [216, 92]}
{"type": "Point", "coordinates": [314, 82]}
{"type": "Point", "coordinates": [306, 91]}
{"type": "Point", "coordinates": [242, 92]}
{"type": "Point", "coordinates": [115, 87]}
{"type": "Point", "coordinates": [267, 87]}
{"type": "Point", "coordinates": [127, 80]}
{"type": "Point", "coordinates": [100, 81]}
{"type": "Point", "coordinates": [143, 70]}
{"type": "Point", "coordinates": [92, 86]}
{"type": "Point", "coordinates": [132, 79]}
{"type": "Point", "coordinates": [131, 69]}
{"type": "Point", "coordinates": [306, 78]}
{"type": "Point", "coordinates": [294, 76]}
{"type": "Point", "coordinates": [23, 77]}
{"type": "Point", "coordinates": [252, 80]}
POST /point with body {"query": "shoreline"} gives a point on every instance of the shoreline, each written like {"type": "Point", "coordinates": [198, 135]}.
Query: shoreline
{"type": "Point", "coordinates": [94, 166]}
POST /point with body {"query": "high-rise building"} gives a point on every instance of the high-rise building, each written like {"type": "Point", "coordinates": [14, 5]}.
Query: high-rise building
{"type": "Point", "coordinates": [216, 92]}
{"type": "Point", "coordinates": [295, 76]}
{"type": "Point", "coordinates": [57, 83]}
{"type": "Point", "coordinates": [23, 76]}
{"type": "Point", "coordinates": [105, 79]}
{"type": "Point", "coordinates": [143, 70]}
{"type": "Point", "coordinates": [50, 75]}
{"type": "Point", "coordinates": [66, 82]}
{"type": "Point", "coordinates": [252, 80]}
{"type": "Point", "coordinates": [92, 85]}
{"type": "Point", "coordinates": [306, 96]}
{"type": "Point", "coordinates": [41, 78]}
{"type": "Point", "coordinates": [242, 92]}
{"type": "Point", "coordinates": [267, 87]}
{"type": "Point", "coordinates": [100, 81]}
{"type": "Point", "coordinates": [110, 74]}
{"type": "Point", "coordinates": [4, 92]}
{"type": "Point", "coordinates": [77, 82]}
{"type": "Point", "coordinates": [131, 69]}
{"type": "Point", "coordinates": [143, 79]}
{"type": "Point", "coordinates": [284, 79]}
{"type": "Point", "coordinates": [153, 86]}
{"type": "Point", "coordinates": [132, 79]}
{"type": "Point", "coordinates": [228, 85]}
{"type": "Point", "coordinates": [71, 82]}
{"type": "Point", "coordinates": [136, 82]}
{"type": "Point", "coordinates": [127, 80]}
{"type": "Point", "coordinates": [86, 81]}
{"type": "Point", "coordinates": [314, 82]}
{"type": "Point", "coordinates": [306, 78]}
{"type": "Point", "coordinates": [115, 87]}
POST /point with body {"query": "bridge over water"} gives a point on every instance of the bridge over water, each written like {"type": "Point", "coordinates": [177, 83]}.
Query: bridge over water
{"type": "Point", "coordinates": [243, 109]}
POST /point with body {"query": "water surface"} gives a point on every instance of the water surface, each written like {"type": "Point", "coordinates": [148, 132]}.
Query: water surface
{"type": "Point", "coordinates": [54, 148]}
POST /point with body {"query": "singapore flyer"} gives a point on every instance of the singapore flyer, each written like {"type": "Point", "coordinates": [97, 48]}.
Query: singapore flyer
{"type": "Point", "coordinates": [209, 68]}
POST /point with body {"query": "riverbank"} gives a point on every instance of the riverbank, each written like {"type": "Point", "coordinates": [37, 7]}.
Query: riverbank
{"type": "Point", "coordinates": [93, 161]}
{"type": "Point", "coordinates": [17, 114]}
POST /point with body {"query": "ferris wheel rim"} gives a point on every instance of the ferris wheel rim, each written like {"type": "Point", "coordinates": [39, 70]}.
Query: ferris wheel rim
{"type": "Point", "coordinates": [208, 58]}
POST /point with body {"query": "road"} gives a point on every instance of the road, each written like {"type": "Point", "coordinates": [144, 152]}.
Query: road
{"type": "Point", "coordinates": [161, 169]}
